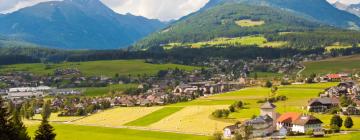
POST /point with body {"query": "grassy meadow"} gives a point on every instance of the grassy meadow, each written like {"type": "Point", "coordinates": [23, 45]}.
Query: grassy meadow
{"type": "Point", "coordinates": [97, 68]}
{"type": "Point", "coordinates": [249, 23]}
{"type": "Point", "coordinates": [339, 64]}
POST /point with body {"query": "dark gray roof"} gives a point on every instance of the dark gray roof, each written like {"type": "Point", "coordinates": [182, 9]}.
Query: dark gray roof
{"type": "Point", "coordinates": [268, 105]}
{"type": "Point", "coordinates": [325, 101]}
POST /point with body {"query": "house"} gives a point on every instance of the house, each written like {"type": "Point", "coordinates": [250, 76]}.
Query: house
{"type": "Point", "coordinates": [229, 131]}
{"type": "Point", "coordinates": [351, 110]}
{"type": "Point", "coordinates": [286, 120]}
{"type": "Point", "coordinates": [299, 123]}
{"type": "Point", "coordinates": [322, 104]}
{"type": "Point", "coordinates": [308, 122]}
{"type": "Point", "coordinates": [265, 124]}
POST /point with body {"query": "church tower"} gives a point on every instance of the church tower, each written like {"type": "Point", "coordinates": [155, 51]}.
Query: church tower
{"type": "Point", "coordinates": [269, 109]}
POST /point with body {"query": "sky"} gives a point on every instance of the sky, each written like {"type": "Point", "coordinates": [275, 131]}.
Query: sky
{"type": "Point", "coordinates": [164, 10]}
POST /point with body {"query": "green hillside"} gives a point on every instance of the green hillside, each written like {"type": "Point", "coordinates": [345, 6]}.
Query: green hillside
{"type": "Point", "coordinates": [91, 68]}
{"type": "Point", "coordinates": [348, 64]}
{"type": "Point", "coordinates": [226, 21]}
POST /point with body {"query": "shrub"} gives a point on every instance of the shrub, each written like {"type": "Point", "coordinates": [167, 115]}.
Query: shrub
{"type": "Point", "coordinates": [217, 136]}
{"type": "Point", "coordinates": [231, 108]}
{"type": "Point", "coordinates": [335, 128]}
{"type": "Point", "coordinates": [348, 122]}
{"type": "Point", "coordinates": [309, 132]}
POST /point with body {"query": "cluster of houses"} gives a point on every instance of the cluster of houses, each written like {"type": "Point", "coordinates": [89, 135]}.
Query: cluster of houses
{"type": "Point", "coordinates": [349, 90]}
{"type": "Point", "coordinates": [271, 123]}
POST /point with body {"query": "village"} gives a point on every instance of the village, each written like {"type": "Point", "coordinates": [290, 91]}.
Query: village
{"type": "Point", "coordinates": [64, 87]}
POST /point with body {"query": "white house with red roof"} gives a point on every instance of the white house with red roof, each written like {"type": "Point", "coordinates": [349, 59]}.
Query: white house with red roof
{"type": "Point", "coordinates": [300, 123]}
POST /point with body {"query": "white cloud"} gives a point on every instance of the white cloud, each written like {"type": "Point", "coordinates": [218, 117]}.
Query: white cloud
{"type": "Point", "coordinates": [7, 6]}
{"type": "Point", "coordinates": [157, 9]}
{"type": "Point", "coordinates": [345, 1]}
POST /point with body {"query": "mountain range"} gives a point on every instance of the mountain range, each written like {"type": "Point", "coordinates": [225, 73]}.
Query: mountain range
{"type": "Point", "coordinates": [89, 24]}
{"type": "Point", "coordinates": [279, 16]}
{"type": "Point", "coordinates": [76, 24]}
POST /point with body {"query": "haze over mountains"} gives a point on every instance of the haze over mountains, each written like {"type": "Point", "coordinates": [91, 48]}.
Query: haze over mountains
{"type": "Point", "coordinates": [352, 8]}
{"type": "Point", "coordinates": [76, 24]}
{"type": "Point", "coordinates": [89, 24]}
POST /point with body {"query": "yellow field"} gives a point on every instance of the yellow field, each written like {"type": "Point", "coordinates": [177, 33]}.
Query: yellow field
{"type": "Point", "coordinates": [116, 117]}
{"type": "Point", "coordinates": [336, 46]}
{"type": "Point", "coordinates": [192, 119]}
{"type": "Point", "coordinates": [257, 40]}
{"type": "Point", "coordinates": [55, 118]}
{"type": "Point", "coordinates": [249, 23]}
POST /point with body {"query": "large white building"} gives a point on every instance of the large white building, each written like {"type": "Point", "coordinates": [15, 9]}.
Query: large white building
{"type": "Point", "coordinates": [27, 92]}
{"type": "Point", "coordinates": [300, 123]}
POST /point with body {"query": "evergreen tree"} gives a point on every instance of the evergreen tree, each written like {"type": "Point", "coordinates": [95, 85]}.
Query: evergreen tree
{"type": "Point", "coordinates": [5, 125]}
{"type": "Point", "coordinates": [19, 128]}
{"type": "Point", "coordinates": [336, 120]}
{"type": "Point", "coordinates": [46, 110]}
{"type": "Point", "coordinates": [348, 122]}
{"type": "Point", "coordinates": [45, 131]}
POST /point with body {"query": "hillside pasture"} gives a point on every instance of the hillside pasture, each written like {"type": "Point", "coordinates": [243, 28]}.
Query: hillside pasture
{"type": "Point", "coordinates": [333, 65]}
{"type": "Point", "coordinates": [337, 46]}
{"type": "Point", "coordinates": [99, 91]}
{"type": "Point", "coordinates": [249, 23]}
{"type": "Point", "coordinates": [255, 40]}
{"type": "Point", "coordinates": [98, 68]}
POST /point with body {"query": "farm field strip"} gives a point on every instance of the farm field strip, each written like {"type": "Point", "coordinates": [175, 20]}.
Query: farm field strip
{"type": "Point", "coordinates": [154, 116]}
{"type": "Point", "coordinates": [117, 116]}
{"type": "Point", "coordinates": [192, 119]}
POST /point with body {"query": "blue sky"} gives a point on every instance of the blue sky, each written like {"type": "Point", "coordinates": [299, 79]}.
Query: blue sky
{"type": "Point", "coordinates": [155, 9]}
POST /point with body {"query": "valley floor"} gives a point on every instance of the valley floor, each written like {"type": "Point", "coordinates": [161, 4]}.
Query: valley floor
{"type": "Point", "coordinates": [188, 120]}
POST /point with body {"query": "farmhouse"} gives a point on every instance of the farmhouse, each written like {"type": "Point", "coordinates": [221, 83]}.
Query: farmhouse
{"type": "Point", "coordinates": [322, 104]}
{"type": "Point", "coordinates": [299, 123]}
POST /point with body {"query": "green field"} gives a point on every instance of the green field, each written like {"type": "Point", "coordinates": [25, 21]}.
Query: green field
{"type": "Point", "coordinates": [154, 116]}
{"type": "Point", "coordinates": [257, 40]}
{"type": "Point", "coordinates": [249, 23]}
{"type": "Point", "coordinates": [340, 64]}
{"type": "Point", "coordinates": [99, 91]}
{"type": "Point", "coordinates": [350, 136]}
{"type": "Point", "coordinates": [98, 68]}
{"type": "Point", "coordinates": [75, 132]}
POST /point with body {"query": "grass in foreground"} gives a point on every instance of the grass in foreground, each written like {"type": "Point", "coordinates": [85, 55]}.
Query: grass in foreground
{"type": "Point", "coordinates": [75, 132]}
{"type": "Point", "coordinates": [340, 64]}
{"type": "Point", "coordinates": [154, 116]}
{"type": "Point", "coordinates": [350, 136]}
{"type": "Point", "coordinates": [98, 68]}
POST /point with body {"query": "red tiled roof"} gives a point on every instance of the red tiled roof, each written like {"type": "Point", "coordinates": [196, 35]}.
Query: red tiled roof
{"type": "Point", "coordinates": [333, 76]}
{"type": "Point", "coordinates": [288, 117]}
